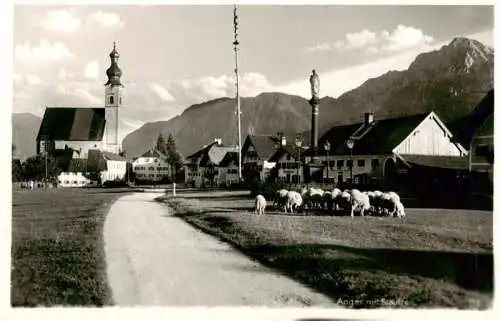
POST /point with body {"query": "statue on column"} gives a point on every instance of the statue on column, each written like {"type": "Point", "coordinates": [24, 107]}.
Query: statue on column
{"type": "Point", "coordinates": [314, 80]}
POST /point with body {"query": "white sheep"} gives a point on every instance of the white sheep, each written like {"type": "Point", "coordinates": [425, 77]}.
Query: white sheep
{"type": "Point", "coordinates": [280, 198]}
{"type": "Point", "coordinates": [359, 202]}
{"type": "Point", "coordinates": [335, 194]}
{"type": "Point", "coordinates": [294, 199]}
{"type": "Point", "coordinates": [394, 195]}
{"type": "Point", "coordinates": [400, 209]}
{"type": "Point", "coordinates": [260, 204]}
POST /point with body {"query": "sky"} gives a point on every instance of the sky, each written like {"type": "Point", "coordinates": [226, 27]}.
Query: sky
{"type": "Point", "coordinates": [173, 56]}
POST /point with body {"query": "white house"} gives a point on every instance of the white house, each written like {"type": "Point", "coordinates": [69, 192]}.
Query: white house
{"type": "Point", "coordinates": [151, 166]}
{"type": "Point", "coordinates": [110, 166]}
{"type": "Point", "coordinates": [378, 144]}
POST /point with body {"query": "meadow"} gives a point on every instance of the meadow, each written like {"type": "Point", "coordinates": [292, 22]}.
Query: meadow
{"type": "Point", "coordinates": [433, 258]}
{"type": "Point", "coordinates": [57, 247]}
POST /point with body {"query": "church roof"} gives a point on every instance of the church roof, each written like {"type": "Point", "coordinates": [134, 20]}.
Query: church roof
{"type": "Point", "coordinates": [114, 72]}
{"type": "Point", "coordinates": [72, 124]}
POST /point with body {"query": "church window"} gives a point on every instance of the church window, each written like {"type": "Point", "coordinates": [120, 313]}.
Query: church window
{"type": "Point", "coordinates": [111, 99]}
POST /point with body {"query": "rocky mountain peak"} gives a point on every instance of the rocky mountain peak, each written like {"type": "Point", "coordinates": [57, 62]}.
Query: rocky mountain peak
{"type": "Point", "coordinates": [460, 55]}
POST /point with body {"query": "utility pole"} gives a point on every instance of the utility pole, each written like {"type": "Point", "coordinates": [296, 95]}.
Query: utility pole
{"type": "Point", "coordinates": [236, 43]}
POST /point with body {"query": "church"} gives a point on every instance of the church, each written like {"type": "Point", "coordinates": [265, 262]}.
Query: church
{"type": "Point", "coordinates": [84, 137]}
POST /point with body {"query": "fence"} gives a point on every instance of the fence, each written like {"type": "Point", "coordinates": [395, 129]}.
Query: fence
{"type": "Point", "coordinates": [28, 185]}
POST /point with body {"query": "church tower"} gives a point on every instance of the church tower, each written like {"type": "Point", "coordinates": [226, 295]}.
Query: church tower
{"type": "Point", "coordinates": [113, 102]}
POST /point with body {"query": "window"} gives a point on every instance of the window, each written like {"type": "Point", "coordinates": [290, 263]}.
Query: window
{"type": "Point", "coordinates": [375, 163]}
{"type": "Point", "coordinates": [361, 163]}
{"type": "Point", "coordinates": [349, 163]}
{"type": "Point", "coordinates": [340, 163]}
{"type": "Point", "coordinates": [111, 99]}
{"type": "Point", "coordinates": [288, 157]}
{"type": "Point", "coordinates": [151, 168]}
{"type": "Point", "coordinates": [66, 182]}
{"type": "Point", "coordinates": [120, 100]}
{"type": "Point", "coordinates": [156, 160]}
{"type": "Point", "coordinates": [75, 182]}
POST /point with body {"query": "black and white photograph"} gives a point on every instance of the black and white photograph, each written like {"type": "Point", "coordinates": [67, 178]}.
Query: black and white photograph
{"type": "Point", "coordinates": [251, 155]}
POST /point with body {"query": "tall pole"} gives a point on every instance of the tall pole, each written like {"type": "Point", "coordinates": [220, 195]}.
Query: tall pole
{"type": "Point", "coordinates": [350, 165]}
{"type": "Point", "coordinates": [236, 43]}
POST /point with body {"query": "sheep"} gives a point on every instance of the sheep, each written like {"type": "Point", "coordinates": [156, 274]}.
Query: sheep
{"type": "Point", "coordinates": [294, 199]}
{"type": "Point", "coordinates": [335, 193]}
{"type": "Point", "coordinates": [327, 201]}
{"type": "Point", "coordinates": [359, 201]}
{"type": "Point", "coordinates": [395, 196]}
{"type": "Point", "coordinates": [376, 202]}
{"type": "Point", "coordinates": [312, 197]}
{"type": "Point", "coordinates": [280, 198]}
{"type": "Point", "coordinates": [400, 210]}
{"type": "Point", "coordinates": [260, 204]}
{"type": "Point", "coordinates": [343, 200]}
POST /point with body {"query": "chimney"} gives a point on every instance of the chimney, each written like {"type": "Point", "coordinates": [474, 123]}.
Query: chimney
{"type": "Point", "coordinates": [218, 140]}
{"type": "Point", "coordinates": [368, 118]}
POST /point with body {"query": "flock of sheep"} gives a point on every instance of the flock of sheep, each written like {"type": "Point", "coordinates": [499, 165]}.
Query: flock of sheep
{"type": "Point", "coordinates": [375, 203]}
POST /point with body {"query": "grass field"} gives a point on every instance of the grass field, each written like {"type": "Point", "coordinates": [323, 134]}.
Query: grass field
{"type": "Point", "coordinates": [57, 247]}
{"type": "Point", "coordinates": [432, 258]}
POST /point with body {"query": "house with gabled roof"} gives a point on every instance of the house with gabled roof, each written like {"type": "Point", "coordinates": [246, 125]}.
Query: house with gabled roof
{"type": "Point", "coordinates": [228, 168]}
{"type": "Point", "coordinates": [256, 152]}
{"type": "Point", "coordinates": [74, 169]}
{"type": "Point", "coordinates": [477, 134]}
{"type": "Point", "coordinates": [151, 166]}
{"type": "Point", "coordinates": [202, 167]}
{"type": "Point", "coordinates": [79, 130]}
{"type": "Point", "coordinates": [287, 157]}
{"type": "Point", "coordinates": [379, 144]}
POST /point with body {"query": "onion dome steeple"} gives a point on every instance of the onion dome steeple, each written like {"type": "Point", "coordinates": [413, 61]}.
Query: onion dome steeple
{"type": "Point", "coordinates": [114, 72]}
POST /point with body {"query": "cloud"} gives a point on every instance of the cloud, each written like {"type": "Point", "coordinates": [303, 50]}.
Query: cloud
{"type": "Point", "coordinates": [45, 52]}
{"type": "Point", "coordinates": [357, 40]}
{"type": "Point", "coordinates": [30, 80]}
{"type": "Point", "coordinates": [92, 70]}
{"type": "Point", "coordinates": [63, 21]}
{"type": "Point", "coordinates": [400, 39]}
{"type": "Point", "coordinates": [321, 47]}
{"type": "Point", "coordinates": [161, 92]}
{"type": "Point", "coordinates": [106, 19]}
{"type": "Point", "coordinates": [64, 74]}
{"type": "Point", "coordinates": [403, 38]}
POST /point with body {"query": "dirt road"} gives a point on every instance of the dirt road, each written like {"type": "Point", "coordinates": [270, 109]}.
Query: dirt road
{"type": "Point", "coordinates": [154, 258]}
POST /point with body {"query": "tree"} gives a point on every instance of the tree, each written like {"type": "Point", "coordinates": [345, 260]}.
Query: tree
{"type": "Point", "coordinates": [161, 145]}
{"type": "Point", "coordinates": [173, 157]}
{"type": "Point", "coordinates": [17, 170]}
{"type": "Point", "coordinates": [34, 167]}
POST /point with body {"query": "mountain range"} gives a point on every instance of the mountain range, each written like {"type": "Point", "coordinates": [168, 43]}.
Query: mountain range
{"type": "Point", "coordinates": [450, 81]}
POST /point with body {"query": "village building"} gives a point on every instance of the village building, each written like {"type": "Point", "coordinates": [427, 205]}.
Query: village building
{"type": "Point", "coordinates": [287, 157]}
{"type": "Point", "coordinates": [228, 169]}
{"type": "Point", "coordinates": [82, 133]}
{"type": "Point", "coordinates": [256, 152]}
{"type": "Point", "coordinates": [369, 151]}
{"type": "Point", "coordinates": [202, 167]}
{"type": "Point", "coordinates": [151, 166]}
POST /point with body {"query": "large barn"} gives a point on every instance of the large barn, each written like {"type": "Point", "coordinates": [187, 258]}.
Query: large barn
{"type": "Point", "coordinates": [86, 135]}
